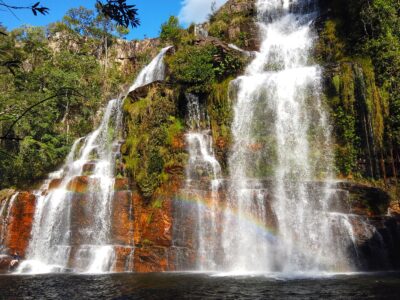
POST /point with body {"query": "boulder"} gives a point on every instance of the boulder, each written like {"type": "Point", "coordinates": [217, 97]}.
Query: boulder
{"type": "Point", "coordinates": [78, 184]}
{"type": "Point", "coordinates": [366, 200]}
{"type": "Point", "coordinates": [394, 208]}
{"type": "Point", "coordinates": [378, 247]}
{"type": "Point", "coordinates": [54, 184]}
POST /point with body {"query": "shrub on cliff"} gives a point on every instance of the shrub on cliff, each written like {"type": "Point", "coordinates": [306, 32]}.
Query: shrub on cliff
{"type": "Point", "coordinates": [360, 46]}
{"type": "Point", "coordinates": [193, 66]}
{"type": "Point", "coordinates": [199, 66]}
{"type": "Point", "coordinates": [153, 149]}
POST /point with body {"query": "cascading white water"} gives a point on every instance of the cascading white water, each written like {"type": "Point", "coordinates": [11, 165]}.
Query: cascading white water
{"type": "Point", "coordinates": [203, 165]}
{"type": "Point", "coordinates": [72, 222]}
{"type": "Point", "coordinates": [281, 144]}
{"type": "Point", "coordinates": [5, 213]}
{"type": "Point", "coordinates": [152, 72]}
{"type": "Point", "coordinates": [55, 240]}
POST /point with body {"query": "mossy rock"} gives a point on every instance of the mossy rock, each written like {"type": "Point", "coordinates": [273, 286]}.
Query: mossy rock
{"type": "Point", "coordinates": [153, 124]}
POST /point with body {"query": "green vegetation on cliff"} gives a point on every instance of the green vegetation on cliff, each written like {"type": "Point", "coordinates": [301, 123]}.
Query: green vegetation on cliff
{"type": "Point", "coordinates": [359, 47]}
{"type": "Point", "coordinates": [197, 67]}
{"type": "Point", "coordinates": [234, 23]}
{"type": "Point", "coordinates": [154, 147]}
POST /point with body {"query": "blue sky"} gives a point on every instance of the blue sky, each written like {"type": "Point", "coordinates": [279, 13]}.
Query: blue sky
{"type": "Point", "coordinates": [152, 13]}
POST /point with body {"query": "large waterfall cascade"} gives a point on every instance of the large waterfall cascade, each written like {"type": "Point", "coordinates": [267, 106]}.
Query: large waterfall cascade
{"type": "Point", "coordinates": [282, 221]}
{"type": "Point", "coordinates": [65, 236]}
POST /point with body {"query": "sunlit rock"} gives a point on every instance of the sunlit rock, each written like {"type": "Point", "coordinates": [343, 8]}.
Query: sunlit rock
{"type": "Point", "coordinates": [78, 184]}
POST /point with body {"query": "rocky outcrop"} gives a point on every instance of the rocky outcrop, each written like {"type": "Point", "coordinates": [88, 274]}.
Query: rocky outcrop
{"type": "Point", "coordinates": [379, 250]}
{"type": "Point", "coordinates": [123, 219]}
{"type": "Point", "coordinates": [78, 184]}
{"type": "Point", "coordinates": [141, 228]}
{"type": "Point", "coordinates": [17, 225]}
{"type": "Point", "coordinates": [234, 23]}
{"type": "Point", "coordinates": [131, 52]}
{"type": "Point", "coordinates": [130, 55]}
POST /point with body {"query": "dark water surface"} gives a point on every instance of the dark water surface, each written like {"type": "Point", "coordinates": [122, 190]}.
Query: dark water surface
{"type": "Point", "coordinates": [199, 286]}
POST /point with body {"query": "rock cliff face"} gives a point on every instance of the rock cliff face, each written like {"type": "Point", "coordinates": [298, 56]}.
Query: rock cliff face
{"type": "Point", "coordinates": [137, 223]}
{"type": "Point", "coordinates": [357, 89]}
{"type": "Point", "coordinates": [166, 236]}
{"type": "Point", "coordinates": [132, 55]}
{"type": "Point", "coordinates": [154, 227]}
{"type": "Point", "coordinates": [351, 93]}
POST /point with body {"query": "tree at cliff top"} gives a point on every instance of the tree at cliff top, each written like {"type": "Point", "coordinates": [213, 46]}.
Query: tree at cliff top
{"type": "Point", "coordinates": [171, 31]}
{"type": "Point", "coordinates": [51, 96]}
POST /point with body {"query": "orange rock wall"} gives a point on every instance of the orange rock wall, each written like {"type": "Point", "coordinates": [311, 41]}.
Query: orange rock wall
{"type": "Point", "coordinates": [153, 229]}
{"type": "Point", "coordinates": [141, 228]}
{"type": "Point", "coordinates": [20, 223]}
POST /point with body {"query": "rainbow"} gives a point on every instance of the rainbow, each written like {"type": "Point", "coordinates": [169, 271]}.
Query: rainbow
{"type": "Point", "coordinates": [268, 233]}
{"type": "Point", "coordinates": [245, 219]}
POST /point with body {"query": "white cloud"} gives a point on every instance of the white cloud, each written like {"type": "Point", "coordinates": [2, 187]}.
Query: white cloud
{"type": "Point", "coordinates": [197, 11]}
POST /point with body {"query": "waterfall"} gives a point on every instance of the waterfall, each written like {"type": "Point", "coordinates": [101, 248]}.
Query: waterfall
{"type": "Point", "coordinates": [152, 72]}
{"type": "Point", "coordinates": [203, 166]}
{"type": "Point", "coordinates": [72, 222]}
{"type": "Point", "coordinates": [281, 145]}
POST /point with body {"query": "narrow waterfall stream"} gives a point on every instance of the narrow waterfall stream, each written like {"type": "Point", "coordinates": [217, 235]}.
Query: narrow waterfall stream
{"type": "Point", "coordinates": [281, 146]}
{"type": "Point", "coordinates": [72, 221]}
{"type": "Point", "coordinates": [203, 166]}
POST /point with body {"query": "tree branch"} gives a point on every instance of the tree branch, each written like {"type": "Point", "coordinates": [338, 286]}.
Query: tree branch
{"type": "Point", "coordinates": [125, 15]}
{"type": "Point", "coordinates": [36, 8]}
